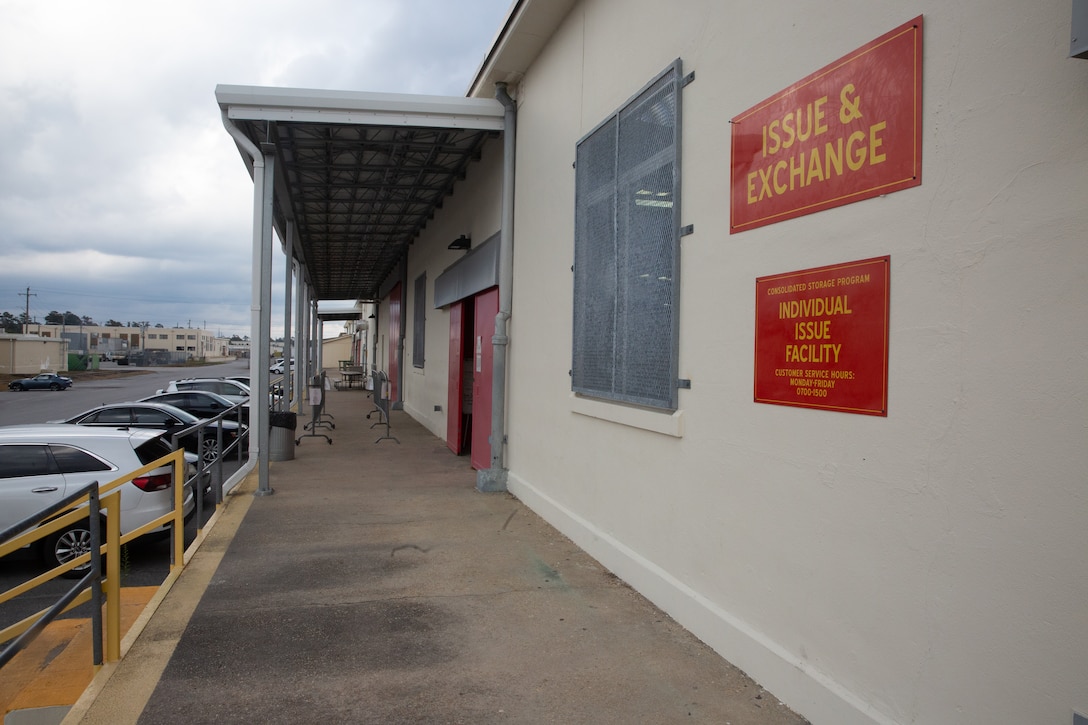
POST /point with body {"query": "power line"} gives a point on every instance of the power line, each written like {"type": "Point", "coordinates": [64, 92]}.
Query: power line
{"type": "Point", "coordinates": [26, 320]}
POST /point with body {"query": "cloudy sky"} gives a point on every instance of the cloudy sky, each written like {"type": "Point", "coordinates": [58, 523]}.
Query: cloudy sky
{"type": "Point", "coordinates": [121, 195]}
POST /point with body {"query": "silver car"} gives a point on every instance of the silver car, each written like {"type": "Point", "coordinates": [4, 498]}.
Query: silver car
{"type": "Point", "coordinates": [40, 464]}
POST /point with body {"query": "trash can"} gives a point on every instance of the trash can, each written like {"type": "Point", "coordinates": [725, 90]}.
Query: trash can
{"type": "Point", "coordinates": [281, 438]}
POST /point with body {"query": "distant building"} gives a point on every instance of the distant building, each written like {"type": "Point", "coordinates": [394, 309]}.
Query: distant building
{"type": "Point", "coordinates": [334, 350]}
{"type": "Point", "coordinates": [181, 343]}
{"type": "Point", "coordinates": [32, 354]}
{"type": "Point", "coordinates": [238, 348]}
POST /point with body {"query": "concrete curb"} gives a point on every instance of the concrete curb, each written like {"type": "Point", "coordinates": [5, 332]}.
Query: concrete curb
{"type": "Point", "coordinates": [144, 664]}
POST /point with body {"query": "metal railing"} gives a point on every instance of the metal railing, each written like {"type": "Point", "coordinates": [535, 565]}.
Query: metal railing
{"type": "Point", "coordinates": [89, 503]}
{"type": "Point", "coordinates": [203, 467]}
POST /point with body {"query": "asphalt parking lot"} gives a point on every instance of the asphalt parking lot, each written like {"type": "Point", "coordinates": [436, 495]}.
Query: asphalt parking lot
{"type": "Point", "coordinates": [145, 562]}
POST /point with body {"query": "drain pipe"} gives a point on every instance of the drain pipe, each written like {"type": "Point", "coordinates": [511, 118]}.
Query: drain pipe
{"type": "Point", "coordinates": [258, 363]}
{"type": "Point", "coordinates": [494, 478]}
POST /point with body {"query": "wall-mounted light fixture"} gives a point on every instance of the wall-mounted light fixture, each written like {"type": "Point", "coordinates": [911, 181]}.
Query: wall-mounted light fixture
{"type": "Point", "coordinates": [461, 243]}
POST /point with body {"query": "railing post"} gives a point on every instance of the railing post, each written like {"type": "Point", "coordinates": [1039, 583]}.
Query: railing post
{"type": "Point", "coordinates": [113, 576]}
{"type": "Point", "coordinates": [177, 528]}
{"type": "Point", "coordinates": [94, 511]}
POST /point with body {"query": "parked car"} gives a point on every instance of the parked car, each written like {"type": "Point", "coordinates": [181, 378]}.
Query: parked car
{"type": "Point", "coordinates": [278, 365]}
{"type": "Point", "coordinates": [164, 418]}
{"type": "Point", "coordinates": [45, 381]}
{"type": "Point", "coordinates": [276, 389]}
{"type": "Point", "coordinates": [230, 389]}
{"type": "Point", "coordinates": [41, 464]}
{"type": "Point", "coordinates": [200, 403]}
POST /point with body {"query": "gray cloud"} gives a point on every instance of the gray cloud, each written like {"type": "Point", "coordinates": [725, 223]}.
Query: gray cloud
{"type": "Point", "coordinates": [121, 196]}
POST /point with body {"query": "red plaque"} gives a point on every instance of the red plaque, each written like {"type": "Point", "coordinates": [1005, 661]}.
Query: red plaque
{"type": "Point", "coordinates": [850, 131]}
{"type": "Point", "coordinates": [822, 337]}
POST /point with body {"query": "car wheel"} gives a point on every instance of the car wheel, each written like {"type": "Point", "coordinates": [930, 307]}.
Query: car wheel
{"type": "Point", "coordinates": [54, 387]}
{"type": "Point", "coordinates": [16, 387]}
{"type": "Point", "coordinates": [66, 545]}
{"type": "Point", "coordinates": [211, 455]}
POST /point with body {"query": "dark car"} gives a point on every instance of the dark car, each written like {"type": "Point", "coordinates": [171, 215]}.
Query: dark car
{"type": "Point", "coordinates": [163, 417]}
{"type": "Point", "coordinates": [198, 402]}
{"type": "Point", "coordinates": [45, 381]}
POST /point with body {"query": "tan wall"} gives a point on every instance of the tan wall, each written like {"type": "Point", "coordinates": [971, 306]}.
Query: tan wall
{"type": "Point", "coordinates": [334, 350]}
{"type": "Point", "coordinates": [474, 210]}
{"type": "Point", "coordinates": [28, 355]}
{"type": "Point", "coordinates": [926, 567]}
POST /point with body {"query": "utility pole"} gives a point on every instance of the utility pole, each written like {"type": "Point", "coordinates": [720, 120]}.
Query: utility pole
{"type": "Point", "coordinates": [26, 317]}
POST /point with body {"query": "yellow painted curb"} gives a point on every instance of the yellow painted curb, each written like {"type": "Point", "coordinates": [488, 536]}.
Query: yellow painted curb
{"type": "Point", "coordinates": [138, 675]}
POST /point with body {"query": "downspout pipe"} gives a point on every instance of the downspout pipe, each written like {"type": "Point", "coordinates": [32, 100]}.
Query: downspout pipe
{"type": "Point", "coordinates": [258, 362]}
{"type": "Point", "coordinates": [494, 478]}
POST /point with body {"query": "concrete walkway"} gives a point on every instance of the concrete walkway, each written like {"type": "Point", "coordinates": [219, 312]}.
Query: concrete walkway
{"type": "Point", "coordinates": [377, 586]}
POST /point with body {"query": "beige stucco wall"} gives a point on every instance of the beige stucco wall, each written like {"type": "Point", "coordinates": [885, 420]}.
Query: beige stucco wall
{"type": "Point", "coordinates": [334, 350]}
{"type": "Point", "coordinates": [474, 209]}
{"type": "Point", "coordinates": [925, 567]}
{"type": "Point", "coordinates": [30, 355]}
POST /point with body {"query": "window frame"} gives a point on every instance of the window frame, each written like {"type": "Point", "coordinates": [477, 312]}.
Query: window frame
{"type": "Point", "coordinates": [419, 320]}
{"type": "Point", "coordinates": [602, 275]}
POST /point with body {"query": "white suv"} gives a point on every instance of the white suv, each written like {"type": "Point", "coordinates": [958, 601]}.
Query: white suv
{"type": "Point", "coordinates": [41, 464]}
{"type": "Point", "coordinates": [232, 390]}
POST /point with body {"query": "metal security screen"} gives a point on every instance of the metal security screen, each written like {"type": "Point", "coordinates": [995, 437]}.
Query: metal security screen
{"type": "Point", "coordinates": [627, 251]}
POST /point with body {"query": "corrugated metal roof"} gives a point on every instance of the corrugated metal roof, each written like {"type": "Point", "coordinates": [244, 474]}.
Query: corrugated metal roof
{"type": "Point", "coordinates": [359, 174]}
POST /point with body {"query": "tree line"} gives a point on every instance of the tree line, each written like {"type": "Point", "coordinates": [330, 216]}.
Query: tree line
{"type": "Point", "coordinates": [14, 323]}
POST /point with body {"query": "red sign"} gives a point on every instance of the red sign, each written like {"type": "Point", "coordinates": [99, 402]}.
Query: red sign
{"type": "Point", "coordinates": [850, 131]}
{"type": "Point", "coordinates": [822, 337]}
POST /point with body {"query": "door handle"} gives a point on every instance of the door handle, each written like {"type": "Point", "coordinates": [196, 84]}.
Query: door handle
{"type": "Point", "coordinates": [45, 489]}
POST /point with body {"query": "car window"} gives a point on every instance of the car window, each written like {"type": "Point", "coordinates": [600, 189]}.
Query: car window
{"type": "Point", "coordinates": [153, 450]}
{"type": "Point", "coordinates": [113, 415]}
{"type": "Point", "coordinates": [73, 460]}
{"type": "Point", "coordinates": [31, 460]}
{"type": "Point", "coordinates": [178, 400]}
{"type": "Point", "coordinates": [145, 416]}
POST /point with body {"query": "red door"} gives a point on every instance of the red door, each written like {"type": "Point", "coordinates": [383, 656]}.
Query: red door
{"type": "Point", "coordinates": [455, 409]}
{"type": "Point", "coordinates": [394, 343]}
{"type": "Point", "coordinates": [487, 306]}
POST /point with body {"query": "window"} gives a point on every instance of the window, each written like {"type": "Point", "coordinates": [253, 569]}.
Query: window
{"type": "Point", "coordinates": [32, 460]}
{"type": "Point", "coordinates": [151, 416]}
{"type": "Point", "coordinates": [419, 320]}
{"type": "Point", "coordinates": [152, 450]}
{"type": "Point", "coordinates": [627, 251]}
{"type": "Point", "coordinates": [73, 460]}
{"type": "Point", "coordinates": [112, 415]}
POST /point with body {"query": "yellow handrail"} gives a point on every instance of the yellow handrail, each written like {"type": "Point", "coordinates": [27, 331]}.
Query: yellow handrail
{"type": "Point", "coordinates": [110, 496]}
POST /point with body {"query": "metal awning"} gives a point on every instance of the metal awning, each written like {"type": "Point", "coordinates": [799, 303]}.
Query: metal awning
{"type": "Point", "coordinates": [358, 175]}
